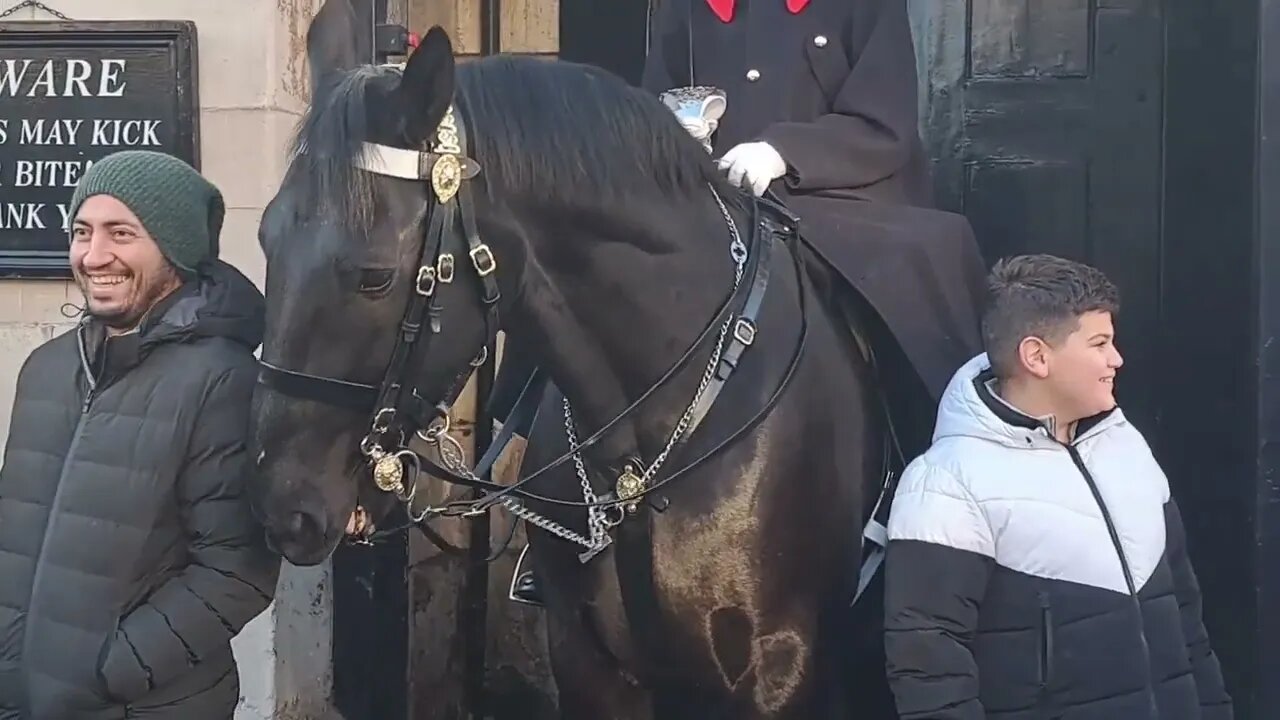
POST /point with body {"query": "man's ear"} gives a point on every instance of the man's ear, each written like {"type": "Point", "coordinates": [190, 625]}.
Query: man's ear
{"type": "Point", "coordinates": [426, 87]}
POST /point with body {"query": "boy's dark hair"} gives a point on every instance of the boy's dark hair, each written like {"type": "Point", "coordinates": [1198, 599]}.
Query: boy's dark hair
{"type": "Point", "coordinates": [1041, 296]}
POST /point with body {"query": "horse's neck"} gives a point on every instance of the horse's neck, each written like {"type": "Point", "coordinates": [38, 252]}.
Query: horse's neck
{"type": "Point", "coordinates": [607, 319]}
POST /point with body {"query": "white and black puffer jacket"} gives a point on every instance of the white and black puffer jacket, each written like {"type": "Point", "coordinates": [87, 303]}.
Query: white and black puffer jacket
{"type": "Point", "coordinates": [1027, 579]}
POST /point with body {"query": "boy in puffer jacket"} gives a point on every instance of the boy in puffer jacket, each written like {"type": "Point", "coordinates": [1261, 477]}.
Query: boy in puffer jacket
{"type": "Point", "coordinates": [1037, 564]}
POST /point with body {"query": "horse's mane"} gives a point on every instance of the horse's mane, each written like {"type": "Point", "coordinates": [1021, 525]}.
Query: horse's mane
{"type": "Point", "coordinates": [559, 131]}
{"type": "Point", "coordinates": [554, 132]}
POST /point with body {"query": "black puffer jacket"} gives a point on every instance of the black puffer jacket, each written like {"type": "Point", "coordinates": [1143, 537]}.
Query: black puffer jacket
{"type": "Point", "coordinates": [128, 553]}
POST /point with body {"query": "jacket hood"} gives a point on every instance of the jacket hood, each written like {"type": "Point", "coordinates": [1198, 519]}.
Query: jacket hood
{"type": "Point", "coordinates": [220, 302]}
{"type": "Point", "coordinates": [971, 408]}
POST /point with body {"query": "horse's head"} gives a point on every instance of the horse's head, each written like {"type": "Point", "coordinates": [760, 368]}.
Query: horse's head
{"type": "Point", "coordinates": [346, 240]}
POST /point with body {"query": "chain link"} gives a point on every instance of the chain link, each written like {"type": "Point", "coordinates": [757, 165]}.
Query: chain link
{"type": "Point", "coordinates": [451, 454]}
{"type": "Point", "coordinates": [33, 4]}
{"type": "Point", "coordinates": [517, 508]}
{"type": "Point", "coordinates": [598, 522]}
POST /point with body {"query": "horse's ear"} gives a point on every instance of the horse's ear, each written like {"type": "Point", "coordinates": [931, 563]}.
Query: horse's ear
{"type": "Point", "coordinates": [426, 88]}
{"type": "Point", "coordinates": [333, 42]}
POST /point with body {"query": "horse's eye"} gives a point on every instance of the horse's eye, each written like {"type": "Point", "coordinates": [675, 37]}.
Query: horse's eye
{"type": "Point", "coordinates": [376, 281]}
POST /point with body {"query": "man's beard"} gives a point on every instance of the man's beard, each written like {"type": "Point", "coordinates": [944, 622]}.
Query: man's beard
{"type": "Point", "coordinates": [129, 316]}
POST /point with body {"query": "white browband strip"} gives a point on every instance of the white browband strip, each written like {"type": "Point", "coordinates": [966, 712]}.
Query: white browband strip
{"type": "Point", "coordinates": [396, 162]}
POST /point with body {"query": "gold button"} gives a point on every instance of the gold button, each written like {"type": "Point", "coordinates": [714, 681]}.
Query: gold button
{"type": "Point", "coordinates": [753, 75]}
{"type": "Point", "coordinates": [820, 41]}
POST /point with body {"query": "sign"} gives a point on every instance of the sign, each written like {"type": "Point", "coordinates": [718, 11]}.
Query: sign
{"type": "Point", "coordinates": [70, 94]}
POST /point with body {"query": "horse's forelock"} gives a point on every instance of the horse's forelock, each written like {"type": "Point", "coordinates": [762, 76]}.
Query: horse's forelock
{"type": "Point", "coordinates": [330, 136]}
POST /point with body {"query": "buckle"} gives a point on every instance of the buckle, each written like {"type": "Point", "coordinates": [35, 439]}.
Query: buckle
{"type": "Point", "coordinates": [383, 419]}
{"type": "Point", "coordinates": [744, 331]}
{"type": "Point", "coordinates": [426, 284]}
{"type": "Point", "coordinates": [482, 257]}
{"type": "Point", "coordinates": [444, 268]}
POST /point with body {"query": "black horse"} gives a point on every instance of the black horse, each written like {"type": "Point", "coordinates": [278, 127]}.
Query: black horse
{"type": "Point", "coordinates": [607, 246]}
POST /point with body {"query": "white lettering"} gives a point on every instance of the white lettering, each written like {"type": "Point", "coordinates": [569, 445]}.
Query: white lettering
{"type": "Point", "coordinates": [110, 74]}
{"type": "Point", "coordinates": [57, 132]}
{"type": "Point", "coordinates": [22, 216]}
{"type": "Point", "coordinates": [44, 78]}
{"type": "Point", "coordinates": [25, 174]}
{"type": "Point", "coordinates": [32, 132]}
{"type": "Point", "coordinates": [126, 132]}
{"type": "Point", "coordinates": [100, 132]}
{"type": "Point", "coordinates": [72, 77]}
{"type": "Point", "coordinates": [50, 173]}
{"type": "Point", "coordinates": [65, 212]}
{"type": "Point", "coordinates": [77, 72]}
{"type": "Point", "coordinates": [4, 130]}
{"type": "Point", "coordinates": [10, 77]}
{"type": "Point", "coordinates": [149, 137]}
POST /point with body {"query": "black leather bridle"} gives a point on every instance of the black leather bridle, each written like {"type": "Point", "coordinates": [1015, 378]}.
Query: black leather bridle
{"type": "Point", "coordinates": [395, 404]}
{"type": "Point", "coordinates": [397, 409]}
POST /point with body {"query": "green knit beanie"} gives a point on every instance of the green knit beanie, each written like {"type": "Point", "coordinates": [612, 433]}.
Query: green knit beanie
{"type": "Point", "coordinates": [180, 209]}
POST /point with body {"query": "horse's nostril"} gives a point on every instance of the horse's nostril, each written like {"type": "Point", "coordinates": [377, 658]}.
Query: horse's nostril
{"type": "Point", "coordinates": [304, 527]}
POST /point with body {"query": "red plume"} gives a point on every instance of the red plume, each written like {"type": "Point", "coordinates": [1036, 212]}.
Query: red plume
{"type": "Point", "coordinates": [724, 8]}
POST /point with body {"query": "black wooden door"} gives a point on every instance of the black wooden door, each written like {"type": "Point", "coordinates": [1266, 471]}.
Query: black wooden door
{"type": "Point", "coordinates": [1126, 133]}
{"type": "Point", "coordinates": [1043, 117]}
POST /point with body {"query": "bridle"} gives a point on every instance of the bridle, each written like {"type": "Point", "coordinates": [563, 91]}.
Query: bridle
{"type": "Point", "coordinates": [396, 403]}
{"type": "Point", "coordinates": [398, 410]}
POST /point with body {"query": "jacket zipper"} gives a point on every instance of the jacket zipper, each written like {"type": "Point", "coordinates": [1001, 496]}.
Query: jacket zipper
{"type": "Point", "coordinates": [62, 478]}
{"type": "Point", "coordinates": [53, 506]}
{"type": "Point", "coordinates": [1046, 647]}
{"type": "Point", "coordinates": [1124, 567]}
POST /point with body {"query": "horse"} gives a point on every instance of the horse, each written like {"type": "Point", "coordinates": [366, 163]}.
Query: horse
{"type": "Point", "coordinates": [719, 439]}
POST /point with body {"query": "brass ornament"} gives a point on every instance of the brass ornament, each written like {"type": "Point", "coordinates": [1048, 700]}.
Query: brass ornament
{"type": "Point", "coordinates": [446, 177]}
{"type": "Point", "coordinates": [388, 474]}
{"type": "Point", "coordinates": [629, 484]}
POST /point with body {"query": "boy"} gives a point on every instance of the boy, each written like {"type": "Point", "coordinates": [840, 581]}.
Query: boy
{"type": "Point", "coordinates": [1037, 566]}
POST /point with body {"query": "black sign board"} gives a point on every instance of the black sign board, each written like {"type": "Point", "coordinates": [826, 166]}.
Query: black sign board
{"type": "Point", "coordinates": [71, 93]}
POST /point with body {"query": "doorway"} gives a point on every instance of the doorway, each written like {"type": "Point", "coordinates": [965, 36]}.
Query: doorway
{"type": "Point", "coordinates": [611, 35]}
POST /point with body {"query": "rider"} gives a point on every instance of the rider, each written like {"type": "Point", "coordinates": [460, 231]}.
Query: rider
{"type": "Point", "coordinates": [821, 95]}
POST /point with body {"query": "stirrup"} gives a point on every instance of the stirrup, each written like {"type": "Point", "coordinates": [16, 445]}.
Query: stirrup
{"type": "Point", "coordinates": [523, 595]}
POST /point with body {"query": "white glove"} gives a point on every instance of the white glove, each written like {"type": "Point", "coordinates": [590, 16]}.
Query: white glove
{"type": "Point", "coordinates": [754, 165]}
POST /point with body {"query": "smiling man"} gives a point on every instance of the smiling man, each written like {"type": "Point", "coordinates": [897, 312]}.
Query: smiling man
{"type": "Point", "coordinates": [1037, 565]}
{"type": "Point", "coordinates": [128, 552]}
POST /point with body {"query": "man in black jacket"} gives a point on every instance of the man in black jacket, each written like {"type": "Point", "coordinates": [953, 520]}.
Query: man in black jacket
{"type": "Point", "coordinates": [128, 552]}
{"type": "Point", "coordinates": [1037, 566]}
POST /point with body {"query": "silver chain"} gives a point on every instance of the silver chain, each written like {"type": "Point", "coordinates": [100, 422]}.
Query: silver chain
{"type": "Point", "coordinates": [598, 522]}
{"type": "Point", "coordinates": [33, 4]}
{"type": "Point", "coordinates": [451, 454]}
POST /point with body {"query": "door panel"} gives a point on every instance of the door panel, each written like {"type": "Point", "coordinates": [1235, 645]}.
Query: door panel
{"type": "Point", "coordinates": [1043, 120]}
